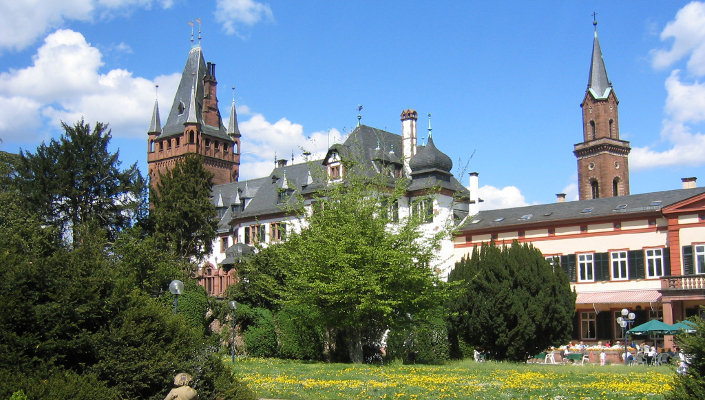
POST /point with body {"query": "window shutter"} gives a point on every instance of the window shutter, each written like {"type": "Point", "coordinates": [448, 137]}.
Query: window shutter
{"type": "Point", "coordinates": [636, 264]}
{"type": "Point", "coordinates": [666, 262]}
{"type": "Point", "coordinates": [604, 325]}
{"type": "Point", "coordinates": [602, 266]}
{"type": "Point", "coordinates": [688, 260]}
{"type": "Point", "coordinates": [568, 265]}
{"type": "Point", "coordinates": [247, 235]}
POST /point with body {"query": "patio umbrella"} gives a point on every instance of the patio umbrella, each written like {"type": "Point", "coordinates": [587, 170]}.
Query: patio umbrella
{"type": "Point", "coordinates": [653, 327]}
{"type": "Point", "coordinates": [684, 326]}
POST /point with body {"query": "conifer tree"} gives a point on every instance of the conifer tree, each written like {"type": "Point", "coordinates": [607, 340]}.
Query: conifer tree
{"type": "Point", "coordinates": [183, 217]}
{"type": "Point", "coordinates": [691, 384]}
{"type": "Point", "coordinates": [513, 303]}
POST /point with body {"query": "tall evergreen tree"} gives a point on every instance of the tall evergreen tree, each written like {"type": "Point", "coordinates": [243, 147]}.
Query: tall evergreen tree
{"type": "Point", "coordinates": [76, 179]}
{"type": "Point", "coordinates": [183, 217]}
{"type": "Point", "coordinates": [513, 302]}
{"type": "Point", "coordinates": [691, 384]}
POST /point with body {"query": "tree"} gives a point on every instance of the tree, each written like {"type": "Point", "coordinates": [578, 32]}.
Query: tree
{"type": "Point", "coordinates": [513, 303]}
{"type": "Point", "coordinates": [183, 217]}
{"type": "Point", "coordinates": [76, 179]}
{"type": "Point", "coordinates": [359, 273]}
{"type": "Point", "coordinates": [691, 385]}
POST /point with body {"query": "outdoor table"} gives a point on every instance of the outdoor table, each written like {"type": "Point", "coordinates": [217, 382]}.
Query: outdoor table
{"type": "Point", "coordinates": [574, 356]}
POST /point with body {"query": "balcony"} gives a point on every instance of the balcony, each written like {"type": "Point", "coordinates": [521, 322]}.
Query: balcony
{"type": "Point", "coordinates": [686, 282]}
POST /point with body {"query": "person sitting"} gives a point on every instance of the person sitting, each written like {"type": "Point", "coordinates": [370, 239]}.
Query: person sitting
{"type": "Point", "coordinates": [650, 355]}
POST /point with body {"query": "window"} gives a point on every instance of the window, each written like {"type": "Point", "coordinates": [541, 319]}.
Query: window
{"type": "Point", "coordinates": [500, 219]}
{"type": "Point", "coordinates": [208, 143]}
{"type": "Point", "coordinates": [335, 172]}
{"type": "Point", "coordinates": [654, 263]}
{"type": "Point", "coordinates": [618, 332]}
{"type": "Point", "coordinates": [151, 146]}
{"type": "Point", "coordinates": [526, 217]}
{"type": "Point", "coordinates": [595, 189]}
{"type": "Point", "coordinates": [278, 231]}
{"type": "Point", "coordinates": [191, 137]}
{"type": "Point", "coordinates": [586, 268]}
{"type": "Point", "coordinates": [423, 209]}
{"type": "Point", "coordinates": [182, 107]}
{"type": "Point", "coordinates": [615, 187]}
{"type": "Point", "coordinates": [699, 259]}
{"type": "Point", "coordinates": [216, 145]}
{"type": "Point", "coordinates": [168, 144]}
{"type": "Point", "coordinates": [225, 147]}
{"type": "Point", "coordinates": [592, 131]}
{"type": "Point", "coordinates": [161, 145]}
{"type": "Point", "coordinates": [254, 234]}
{"type": "Point", "coordinates": [223, 244]}
{"type": "Point", "coordinates": [392, 209]}
{"type": "Point", "coordinates": [619, 265]}
{"type": "Point", "coordinates": [613, 134]}
{"type": "Point", "coordinates": [178, 142]}
{"type": "Point", "coordinates": [588, 328]}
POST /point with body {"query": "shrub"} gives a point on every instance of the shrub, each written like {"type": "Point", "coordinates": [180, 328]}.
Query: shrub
{"type": "Point", "coordinates": [691, 385]}
{"type": "Point", "coordinates": [300, 336]}
{"type": "Point", "coordinates": [425, 341]}
{"type": "Point", "coordinates": [259, 334]}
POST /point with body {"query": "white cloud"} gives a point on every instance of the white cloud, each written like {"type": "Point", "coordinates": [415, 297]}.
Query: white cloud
{"type": "Point", "coordinates": [262, 140]}
{"type": "Point", "coordinates": [685, 103]}
{"type": "Point", "coordinates": [571, 191]}
{"type": "Point", "coordinates": [495, 198]}
{"type": "Point", "coordinates": [64, 83]}
{"type": "Point", "coordinates": [688, 34]}
{"type": "Point", "coordinates": [26, 21]}
{"type": "Point", "coordinates": [231, 13]}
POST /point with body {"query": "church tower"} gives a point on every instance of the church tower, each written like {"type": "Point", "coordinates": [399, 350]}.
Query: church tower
{"type": "Point", "coordinates": [603, 168]}
{"type": "Point", "coordinates": [195, 126]}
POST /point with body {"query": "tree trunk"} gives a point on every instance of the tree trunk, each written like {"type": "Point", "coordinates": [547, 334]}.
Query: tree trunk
{"type": "Point", "coordinates": [355, 345]}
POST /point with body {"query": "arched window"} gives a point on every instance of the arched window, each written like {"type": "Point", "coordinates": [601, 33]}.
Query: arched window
{"type": "Point", "coordinates": [615, 187]}
{"type": "Point", "coordinates": [595, 189]}
{"type": "Point", "coordinates": [191, 137]}
{"type": "Point", "coordinates": [613, 134]}
{"type": "Point", "coordinates": [151, 146]}
{"type": "Point", "coordinates": [592, 131]}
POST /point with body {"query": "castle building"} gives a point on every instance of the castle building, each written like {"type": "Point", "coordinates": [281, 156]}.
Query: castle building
{"type": "Point", "coordinates": [644, 252]}
{"type": "Point", "coordinates": [259, 210]}
{"type": "Point", "coordinates": [603, 168]}
{"type": "Point", "coordinates": [194, 126]}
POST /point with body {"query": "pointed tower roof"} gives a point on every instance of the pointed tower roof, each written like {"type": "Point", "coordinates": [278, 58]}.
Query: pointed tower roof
{"type": "Point", "coordinates": [598, 83]}
{"type": "Point", "coordinates": [233, 129]}
{"type": "Point", "coordinates": [155, 126]}
{"type": "Point", "coordinates": [188, 100]}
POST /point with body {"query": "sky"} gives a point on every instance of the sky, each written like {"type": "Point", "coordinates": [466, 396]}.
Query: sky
{"type": "Point", "coordinates": [502, 80]}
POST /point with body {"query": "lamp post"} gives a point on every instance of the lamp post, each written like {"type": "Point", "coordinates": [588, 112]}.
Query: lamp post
{"type": "Point", "coordinates": [624, 321]}
{"type": "Point", "coordinates": [176, 287]}
{"type": "Point", "coordinates": [233, 306]}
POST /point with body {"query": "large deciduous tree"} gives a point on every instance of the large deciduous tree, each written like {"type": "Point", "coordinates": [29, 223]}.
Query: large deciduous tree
{"type": "Point", "coordinates": [76, 179]}
{"type": "Point", "coordinates": [513, 302]}
{"type": "Point", "coordinates": [361, 274]}
{"type": "Point", "coordinates": [183, 217]}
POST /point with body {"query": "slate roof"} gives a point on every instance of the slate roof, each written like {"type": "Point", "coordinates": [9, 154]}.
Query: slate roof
{"type": "Point", "coordinates": [577, 210]}
{"type": "Point", "coordinates": [191, 99]}
{"type": "Point", "coordinates": [598, 83]}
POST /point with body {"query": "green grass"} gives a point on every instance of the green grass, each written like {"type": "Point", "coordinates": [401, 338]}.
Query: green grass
{"type": "Point", "coordinates": [280, 379]}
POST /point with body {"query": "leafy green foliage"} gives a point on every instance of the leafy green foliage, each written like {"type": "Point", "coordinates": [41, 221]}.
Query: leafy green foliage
{"type": "Point", "coordinates": [257, 327]}
{"type": "Point", "coordinates": [261, 280]}
{"type": "Point", "coordinates": [299, 333]}
{"type": "Point", "coordinates": [424, 342]}
{"type": "Point", "coordinates": [691, 385]}
{"type": "Point", "coordinates": [513, 302]}
{"type": "Point", "coordinates": [75, 180]}
{"type": "Point", "coordinates": [183, 217]}
{"type": "Point", "coordinates": [359, 275]}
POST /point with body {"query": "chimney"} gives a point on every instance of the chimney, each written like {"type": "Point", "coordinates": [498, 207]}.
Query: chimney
{"type": "Point", "coordinates": [689, 183]}
{"type": "Point", "coordinates": [408, 137]}
{"type": "Point", "coordinates": [211, 114]}
{"type": "Point", "coordinates": [281, 163]}
{"type": "Point", "coordinates": [561, 197]}
{"type": "Point", "coordinates": [473, 187]}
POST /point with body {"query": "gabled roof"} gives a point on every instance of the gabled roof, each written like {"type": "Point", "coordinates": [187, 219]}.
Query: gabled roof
{"type": "Point", "coordinates": [188, 100]}
{"type": "Point", "coordinates": [632, 205]}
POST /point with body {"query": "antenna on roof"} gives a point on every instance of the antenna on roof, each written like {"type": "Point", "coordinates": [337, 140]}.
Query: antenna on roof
{"type": "Point", "coordinates": [199, 30]}
{"type": "Point", "coordinates": [191, 23]}
{"type": "Point", "coordinates": [359, 116]}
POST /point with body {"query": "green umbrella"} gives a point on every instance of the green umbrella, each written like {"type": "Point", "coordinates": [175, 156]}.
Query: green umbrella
{"type": "Point", "coordinates": [685, 326]}
{"type": "Point", "coordinates": [653, 327]}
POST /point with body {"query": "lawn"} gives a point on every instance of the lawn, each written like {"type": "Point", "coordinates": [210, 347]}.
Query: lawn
{"type": "Point", "coordinates": [280, 379]}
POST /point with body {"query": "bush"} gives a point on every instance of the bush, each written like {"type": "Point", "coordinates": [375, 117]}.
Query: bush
{"type": "Point", "coordinates": [257, 327]}
{"type": "Point", "coordinates": [300, 336]}
{"type": "Point", "coordinates": [424, 342]}
{"type": "Point", "coordinates": [55, 384]}
{"type": "Point", "coordinates": [691, 385]}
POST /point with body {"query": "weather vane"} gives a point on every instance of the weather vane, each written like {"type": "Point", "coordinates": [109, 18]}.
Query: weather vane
{"type": "Point", "coordinates": [199, 30]}
{"type": "Point", "coordinates": [359, 116]}
{"type": "Point", "coordinates": [429, 126]}
{"type": "Point", "coordinates": [191, 23]}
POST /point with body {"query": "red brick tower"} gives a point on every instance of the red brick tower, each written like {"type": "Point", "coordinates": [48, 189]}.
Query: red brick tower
{"type": "Point", "coordinates": [195, 126]}
{"type": "Point", "coordinates": [603, 168]}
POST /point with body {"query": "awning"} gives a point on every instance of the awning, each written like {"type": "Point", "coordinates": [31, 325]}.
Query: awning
{"type": "Point", "coordinates": [627, 296]}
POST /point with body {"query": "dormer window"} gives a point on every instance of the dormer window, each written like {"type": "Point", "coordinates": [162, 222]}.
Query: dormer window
{"type": "Point", "coordinates": [335, 172]}
{"type": "Point", "coordinates": [182, 107]}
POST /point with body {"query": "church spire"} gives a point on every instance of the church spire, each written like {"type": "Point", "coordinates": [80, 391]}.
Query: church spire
{"type": "Point", "coordinates": [156, 125]}
{"type": "Point", "coordinates": [598, 83]}
{"type": "Point", "coordinates": [233, 129]}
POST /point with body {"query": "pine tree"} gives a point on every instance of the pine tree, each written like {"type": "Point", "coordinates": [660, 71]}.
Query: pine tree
{"type": "Point", "coordinates": [183, 217]}
{"type": "Point", "coordinates": [513, 302]}
{"type": "Point", "coordinates": [75, 180]}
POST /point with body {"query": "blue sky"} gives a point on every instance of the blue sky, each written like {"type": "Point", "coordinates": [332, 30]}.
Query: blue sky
{"type": "Point", "coordinates": [503, 80]}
